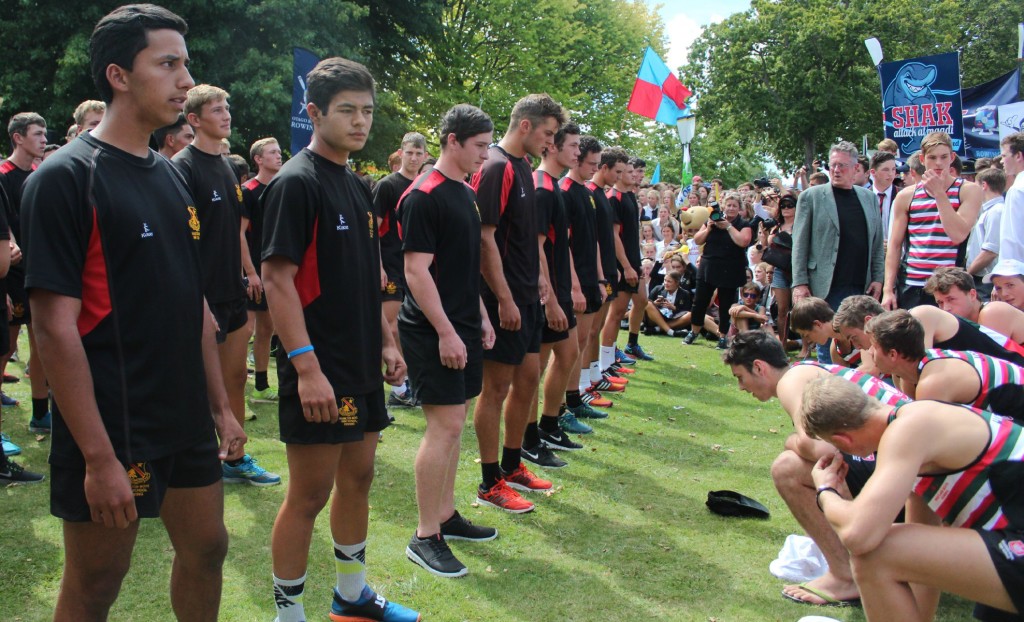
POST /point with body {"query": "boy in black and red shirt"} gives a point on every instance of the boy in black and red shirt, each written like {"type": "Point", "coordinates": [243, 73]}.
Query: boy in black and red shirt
{"type": "Point", "coordinates": [112, 250]}
{"type": "Point", "coordinates": [321, 271]}
{"type": "Point", "coordinates": [513, 289]}
{"type": "Point", "coordinates": [444, 328]}
{"type": "Point", "coordinates": [218, 198]}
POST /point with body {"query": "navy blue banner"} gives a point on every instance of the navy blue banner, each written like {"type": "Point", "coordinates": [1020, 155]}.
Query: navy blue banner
{"type": "Point", "coordinates": [303, 62]}
{"type": "Point", "coordinates": [921, 96]}
{"type": "Point", "coordinates": [981, 113]}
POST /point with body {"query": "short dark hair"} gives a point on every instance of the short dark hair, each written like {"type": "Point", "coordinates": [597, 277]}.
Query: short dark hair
{"type": "Point", "coordinates": [994, 177]}
{"type": "Point", "coordinates": [957, 164]}
{"type": "Point", "coordinates": [864, 163]}
{"type": "Point", "coordinates": [853, 309]}
{"type": "Point", "coordinates": [160, 135]}
{"type": "Point", "coordinates": [567, 129]}
{"type": "Point", "coordinates": [946, 278]}
{"type": "Point", "coordinates": [900, 331]}
{"type": "Point", "coordinates": [535, 108]}
{"type": "Point", "coordinates": [238, 166]}
{"type": "Point", "coordinates": [612, 156]}
{"type": "Point", "coordinates": [121, 35]}
{"type": "Point", "coordinates": [20, 123]}
{"type": "Point", "coordinates": [637, 162]}
{"type": "Point", "coordinates": [588, 145]}
{"type": "Point", "coordinates": [465, 121]}
{"type": "Point", "coordinates": [755, 345]}
{"type": "Point", "coordinates": [880, 158]}
{"type": "Point", "coordinates": [809, 310]}
{"type": "Point", "coordinates": [334, 75]}
{"type": "Point", "coordinates": [675, 275]}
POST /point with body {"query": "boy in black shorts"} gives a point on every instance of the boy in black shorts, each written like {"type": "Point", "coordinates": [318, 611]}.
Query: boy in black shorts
{"type": "Point", "coordinates": [628, 187]}
{"type": "Point", "coordinates": [133, 436]}
{"type": "Point", "coordinates": [513, 290]}
{"type": "Point", "coordinates": [218, 197]}
{"type": "Point", "coordinates": [266, 155]}
{"type": "Point", "coordinates": [321, 271]}
{"type": "Point", "coordinates": [566, 298]}
{"type": "Point", "coordinates": [386, 194]}
{"type": "Point", "coordinates": [586, 258]}
{"type": "Point", "coordinates": [445, 328]}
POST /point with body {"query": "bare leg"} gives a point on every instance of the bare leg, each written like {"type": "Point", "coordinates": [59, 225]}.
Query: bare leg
{"type": "Point", "coordinates": [96, 560]}
{"type": "Point", "coordinates": [556, 380]}
{"type": "Point", "coordinates": [783, 298]}
{"type": "Point", "coordinates": [611, 323]}
{"type": "Point", "coordinates": [653, 315]}
{"type": "Point", "coordinates": [584, 321]}
{"type": "Point", "coordinates": [261, 341]}
{"type": "Point", "coordinates": [350, 507]}
{"type": "Point", "coordinates": [487, 412]}
{"type": "Point", "coordinates": [232, 364]}
{"type": "Point", "coordinates": [435, 465]}
{"type": "Point", "coordinates": [311, 470]}
{"type": "Point", "coordinates": [40, 388]}
{"type": "Point", "coordinates": [636, 313]}
{"type": "Point", "coordinates": [194, 518]}
{"type": "Point", "coordinates": [391, 308]}
{"type": "Point", "coordinates": [525, 380]}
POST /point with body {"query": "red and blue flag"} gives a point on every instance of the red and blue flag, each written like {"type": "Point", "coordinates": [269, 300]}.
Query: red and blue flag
{"type": "Point", "coordinates": [658, 94]}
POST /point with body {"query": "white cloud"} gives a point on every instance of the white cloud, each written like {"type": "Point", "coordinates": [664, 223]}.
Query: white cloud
{"type": "Point", "coordinates": [682, 31]}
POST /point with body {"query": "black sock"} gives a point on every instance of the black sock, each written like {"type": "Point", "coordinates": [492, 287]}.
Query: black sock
{"type": "Point", "coordinates": [261, 381]}
{"type": "Point", "coordinates": [549, 423]}
{"type": "Point", "coordinates": [491, 473]}
{"type": "Point", "coordinates": [510, 459]}
{"type": "Point", "coordinates": [234, 463]}
{"type": "Point", "coordinates": [531, 438]}
{"type": "Point", "coordinates": [572, 400]}
{"type": "Point", "coordinates": [40, 407]}
{"type": "Point", "coordinates": [632, 338]}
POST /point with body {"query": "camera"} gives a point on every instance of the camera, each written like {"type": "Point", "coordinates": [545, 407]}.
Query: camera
{"type": "Point", "coordinates": [762, 183]}
{"type": "Point", "coordinates": [716, 212]}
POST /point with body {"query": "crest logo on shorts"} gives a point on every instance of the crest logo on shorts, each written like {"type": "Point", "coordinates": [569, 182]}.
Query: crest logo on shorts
{"type": "Point", "coordinates": [369, 222]}
{"type": "Point", "coordinates": [238, 191]}
{"type": "Point", "coordinates": [193, 222]}
{"type": "Point", "coordinates": [390, 288]}
{"type": "Point", "coordinates": [18, 309]}
{"type": "Point", "coordinates": [348, 411]}
{"type": "Point", "coordinates": [139, 476]}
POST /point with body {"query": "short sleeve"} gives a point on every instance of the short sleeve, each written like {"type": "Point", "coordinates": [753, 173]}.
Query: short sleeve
{"type": "Point", "coordinates": [991, 241]}
{"type": "Point", "coordinates": [249, 202]}
{"type": "Point", "coordinates": [492, 184]}
{"type": "Point", "coordinates": [289, 217]}
{"type": "Point", "coordinates": [5, 226]}
{"type": "Point", "coordinates": [56, 227]}
{"type": "Point", "coordinates": [420, 223]}
{"type": "Point", "coordinates": [617, 215]}
{"type": "Point", "coordinates": [546, 203]}
{"type": "Point", "coordinates": [383, 198]}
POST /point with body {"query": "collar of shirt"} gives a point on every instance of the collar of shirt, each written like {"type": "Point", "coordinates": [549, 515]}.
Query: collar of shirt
{"type": "Point", "coordinates": [987, 205]}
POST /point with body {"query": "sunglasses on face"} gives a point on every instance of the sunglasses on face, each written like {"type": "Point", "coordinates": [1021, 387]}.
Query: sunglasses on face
{"type": "Point", "coordinates": [750, 295]}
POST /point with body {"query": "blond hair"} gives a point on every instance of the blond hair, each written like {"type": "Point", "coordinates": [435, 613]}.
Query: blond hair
{"type": "Point", "coordinates": [200, 95]}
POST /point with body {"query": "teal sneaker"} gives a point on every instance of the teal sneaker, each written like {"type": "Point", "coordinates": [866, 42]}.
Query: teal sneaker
{"type": "Point", "coordinates": [571, 425]}
{"type": "Point", "coordinates": [370, 606]}
{"type": "Point", "coordinates": [266, 396]}
{"type": "Point", "coordinates": [42, 425]}
{"type": "Point", "coordinates": [586, 411]}
{"type": "Point", "coordinates": [248, 472]}
{"type": "Point", "coordinates": [10, 449]}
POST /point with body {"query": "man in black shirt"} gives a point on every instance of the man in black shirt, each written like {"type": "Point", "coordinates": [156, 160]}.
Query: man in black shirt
{"type": "Point", "coordinates": [133, 436]}
{"type": "Point", "coordinates": [628, 187]}
{"type": "Point", "coordinates": [170, 139]}
{"type": "Point", "coordinates": [513, 290]}
{"type": "Point", "coordinates": [321, 271]}
{"type": "Point", "coordinates": [27, 131]}
{"type": "Point", "coordinates": [385, 205]}
{"type": "Point", "coordinates": [445, 328]}
{"type": "Point", "coordinates": [266, 155]}
{"type": "Point", "coordinates": [218, 197]}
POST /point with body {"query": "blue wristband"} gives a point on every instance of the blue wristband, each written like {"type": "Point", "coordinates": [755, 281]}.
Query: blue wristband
{"type": "Point", "coordinates": [298, 351]}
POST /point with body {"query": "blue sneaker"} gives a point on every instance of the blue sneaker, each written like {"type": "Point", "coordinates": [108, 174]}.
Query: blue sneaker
{"type": "Point", "coordinates": [370, 606]}
{"type": "Point", "coordinates": [42, 425]}
{"type": "Point", "coordinates": [586, 411]}
{"type": "Point", "coordinates": [570, 424]}
{"type": "Point", "coordinates": [10, 449]}
{"type": "Point", "coordinates": [7, 401]}
{"type": "Point", "coordinates": [622, 358]}
{"type": "Point", "coordinates": [248, 472]}
{"type": "Point", "coordinates": [637, 352]}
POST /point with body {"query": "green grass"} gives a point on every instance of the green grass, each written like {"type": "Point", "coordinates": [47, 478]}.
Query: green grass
{"type": "Point", "coordinates": [626, 535]}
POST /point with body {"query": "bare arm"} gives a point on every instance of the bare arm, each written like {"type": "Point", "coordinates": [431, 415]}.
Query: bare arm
{"type": "Point", "coordinates": [894, 252]}
{"type": "Point", "coordinates": [417, 278]}
{"type": "Point", "coordinates": [620, 254]}
{"type": "Point", "coordinates": [957, 223]}
{"type": "Point", "coordinates": [494, 276]}
{"type": "Point", "coordinates": [982, 261]}
{"type": "Point", "coordinates": [255, 287]}
{"type": "Point", "coordinates": [5, 257]}
{"type": "Point", "coordinates": [232, 438]}
{"type": "Point", "coordinates": [552, 310]}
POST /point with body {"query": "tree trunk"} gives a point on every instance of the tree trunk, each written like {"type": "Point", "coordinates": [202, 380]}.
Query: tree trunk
{"type": "Point", "coordinates": [808, 152]}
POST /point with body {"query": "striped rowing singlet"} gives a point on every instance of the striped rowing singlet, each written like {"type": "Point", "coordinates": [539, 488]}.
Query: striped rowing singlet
{"type": "Point", "coordinates": [1002, 382]}
{"type": "Point", "coordinates": [871, 386]}
{"type": "Point", "coordinates": [930, 247]}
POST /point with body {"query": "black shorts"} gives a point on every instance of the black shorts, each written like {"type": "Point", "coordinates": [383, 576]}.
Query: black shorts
{"type": "Point", "coordinates": [1006, 547]}
{"type": "Point", "coordinates": [21, 315]}
{"type": "Point", "coordinates": [510, 347]}
{"type": "Point", "coordinates": [394, 290]}
{"type": "Point", "coordinates": [195, 467]}
{"type": "Point", "coordinates": [624, 286]}
{"type": "Point", "coordinates": [436, 384]}
{"type": "Point", "coordinates": [359, 415]}
{"type": "Point", "coordinates": [593, 295]}
{"type": "Point", "coordinates": [253, 305]}
{"type": "Point", "coordinates": [230, 317]}
{"type": "Point", "coordinates": [860, 471]}
{"type": "Point", "coordinates": [611, 290]}
{"type": "Point", "coordinates": [551, 336]}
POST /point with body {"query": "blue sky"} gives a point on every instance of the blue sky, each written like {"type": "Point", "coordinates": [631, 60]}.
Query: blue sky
{"type": "Point", "coordinates": [684, 20]}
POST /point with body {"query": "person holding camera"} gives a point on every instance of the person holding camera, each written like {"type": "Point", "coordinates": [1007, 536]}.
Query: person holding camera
{"type": "Point", "coordinates": [725, 237]}
{"type": "Point", "coordinates": [776, 234]}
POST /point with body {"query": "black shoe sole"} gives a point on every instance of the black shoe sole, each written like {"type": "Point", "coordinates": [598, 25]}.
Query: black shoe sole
{"type": "Point", "coordinates": [557, 447]}
{"type": "Point", "coordinates": [543, 466]}
{"type": "Point", "coordinates": [419, 561]}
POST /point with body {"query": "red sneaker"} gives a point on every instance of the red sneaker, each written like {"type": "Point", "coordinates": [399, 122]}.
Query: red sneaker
{"type": "Point", "coordinates": [522, 479]}
{"type": "Point", "coordinates": [595, 399]}
{"type": "Point", "coordinates": [604, 385]}
{"type": "Point", "coordinates": [622, 369]}
{"type": "Point", "coordinates": [504, 498]}
{"type": "Point", "coordinates": [615, 378]}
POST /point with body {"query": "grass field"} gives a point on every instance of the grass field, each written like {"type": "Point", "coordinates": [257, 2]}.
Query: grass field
{"type": "Point", "coordinates": [625, 535]}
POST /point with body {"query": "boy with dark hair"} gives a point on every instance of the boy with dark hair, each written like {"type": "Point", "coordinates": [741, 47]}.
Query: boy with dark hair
{"type": "Point", "coordinates": [218, 197]}
{"type": "Point", "coordinates": [27, 131]}
{"type": "Point", "coordinates": [513, 291]}
{"type": "Point", "coordinates": [321, 270]}
{"type": "Point", "coordinates": [170, 139]}
{"type": "Point", "coordinates": [445, 328]}
{"type": "Point", "coordinates": [954, 292]}
{"type": "Point", "coordinates": [385, 204]}
{"type": "Point", "coordinates": [129, 442]}
{"type": "Point", "coordinates": [266, 155]}
{"type": "Point", "coordinates": [812, 319]}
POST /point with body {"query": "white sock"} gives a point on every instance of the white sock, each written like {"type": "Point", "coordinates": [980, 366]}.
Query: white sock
{"type": "Point", "coordinates": [607, 356]}
{"type": "Point", "coordinates": [584, 379]}
{"type": "Point", "coordinates": [288, 599]}
{"type": "Point", "coordinates": [350, 564]}
{"type": "Point", "coordinates": [671, 333]}
{"type": "Point", "coordinates": [595, 372]}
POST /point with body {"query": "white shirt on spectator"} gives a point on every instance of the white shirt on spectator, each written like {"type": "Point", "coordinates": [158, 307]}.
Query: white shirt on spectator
{"type": "Point", "coordinates": [1011, 238]}
{"type": "Point", "coordinates": [985, 236]}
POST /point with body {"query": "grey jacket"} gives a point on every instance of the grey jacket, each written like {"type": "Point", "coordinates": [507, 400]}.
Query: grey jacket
{"type": "Point", "coordinates": [816, 239]}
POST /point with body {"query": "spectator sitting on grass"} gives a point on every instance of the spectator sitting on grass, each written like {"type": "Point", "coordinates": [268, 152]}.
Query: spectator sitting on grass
{"type": "Point", "coordinates": [749, 313]}
{"type": "Point", "coordinates": [668, 306]}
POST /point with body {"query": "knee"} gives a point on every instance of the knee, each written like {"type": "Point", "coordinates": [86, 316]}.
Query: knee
{"type": "Point", "coordinates": [789, 471]}
{"type": "Point", "coordinates": [357, 482]}
{"type": "Point", "coordinates": [306, 505]}
{"type": "Point", "coordinates": [204, 552]}
{"type": "Point", "coordinates": [95, 588]}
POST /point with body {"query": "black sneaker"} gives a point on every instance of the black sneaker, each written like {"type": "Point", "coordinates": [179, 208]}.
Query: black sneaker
{"type": "Point", "coordinates": [690, 338]}
{"type": "Point", "coordinates": [433, 555]}
{"type": "Point", "coordinates": [723, 343]}
{"type": "Point", "coordinates": [542, 457]}
{"type": "Point", "coordinates": [558, 440]}
{"type": "Point", "coordinates": [14, 473]}
{"type": "Point", "coordinates": [459, 528]}
{"type": "Point", "coordinates": [404, 400]}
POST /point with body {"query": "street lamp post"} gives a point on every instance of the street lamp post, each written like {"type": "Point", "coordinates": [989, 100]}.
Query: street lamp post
{"type": "Point", "coordinates": [686, 125]}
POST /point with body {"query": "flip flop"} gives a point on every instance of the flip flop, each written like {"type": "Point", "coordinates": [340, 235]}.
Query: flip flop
{"type": "Point", "coordinates": [830, 601]}
{"type": "Point", "coordinates": [729, 503]}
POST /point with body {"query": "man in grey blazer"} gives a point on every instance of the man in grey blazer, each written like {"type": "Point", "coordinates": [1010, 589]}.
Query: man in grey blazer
{"type": "Point", "coordinates": [837, 238]}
